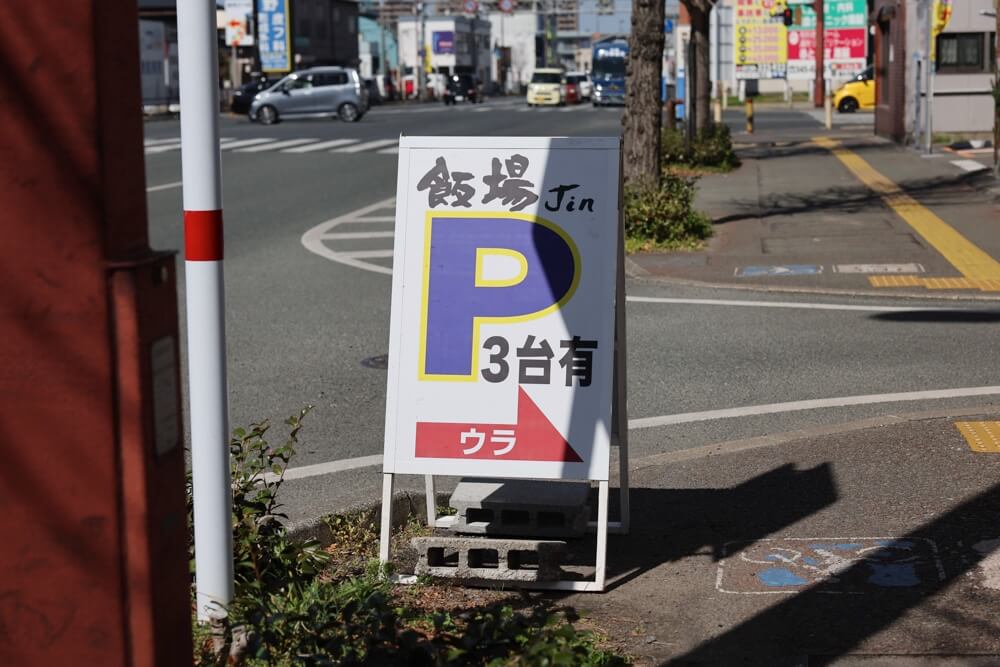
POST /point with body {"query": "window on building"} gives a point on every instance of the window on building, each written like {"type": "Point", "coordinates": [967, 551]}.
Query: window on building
{"type": "Point", "coordinates": [961, 52]}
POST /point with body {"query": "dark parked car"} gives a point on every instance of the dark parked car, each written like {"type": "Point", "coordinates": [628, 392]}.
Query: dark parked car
{"type": "Point", "coordinates": [461, 88]}
{"type": "Point", "coordinates": [243, 97]}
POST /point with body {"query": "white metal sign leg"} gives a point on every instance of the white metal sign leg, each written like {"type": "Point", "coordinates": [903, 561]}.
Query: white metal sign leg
{"type": "Point", "coordinates": [431, 500]}
{"type": "Point", "coordinates": [386, 535]}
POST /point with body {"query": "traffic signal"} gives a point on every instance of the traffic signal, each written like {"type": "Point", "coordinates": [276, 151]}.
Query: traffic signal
{"type": "Point", "coordinates": [788, 16]}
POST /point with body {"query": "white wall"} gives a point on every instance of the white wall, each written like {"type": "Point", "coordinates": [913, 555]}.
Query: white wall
{"type": "Point", "coordinates": [516, 30]}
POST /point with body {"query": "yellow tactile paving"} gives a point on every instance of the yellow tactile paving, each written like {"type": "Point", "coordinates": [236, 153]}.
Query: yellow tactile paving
{"type": "Point", "coordinates": [971, 261]}
{"type": "Point", "coordinates": [934, 283]}
{"type": "Point", "coordinates": [981, 436]}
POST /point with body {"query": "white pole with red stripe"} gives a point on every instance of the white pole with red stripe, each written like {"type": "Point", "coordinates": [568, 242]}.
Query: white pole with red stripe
{"type": "Point", "coordinates": [202, 175]}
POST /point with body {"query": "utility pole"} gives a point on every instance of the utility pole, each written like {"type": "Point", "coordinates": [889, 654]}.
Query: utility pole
{"type": "Point", "coordinates": [996, 100]}
{"type": "Point", "coordinates": [819, 89]}
{"type": "Point", "coordinates": [382, 68]}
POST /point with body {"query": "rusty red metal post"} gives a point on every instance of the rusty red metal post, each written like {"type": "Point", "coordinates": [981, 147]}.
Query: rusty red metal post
{"type": "Point", "coordinates": [94, 567]}
{"type": "Point", "coordinates": [819, 87]}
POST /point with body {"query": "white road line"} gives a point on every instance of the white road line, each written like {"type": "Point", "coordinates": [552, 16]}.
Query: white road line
{"type": "Point", "coordinates": [481, 109]}
{"type": "Point", "coordinates": [969, 165]}
{"type": "Point", "coordinates": [776, 304]}
{"type": "Point", "coordinates": [369, 254]}
{"type": "Point", "coordinates": [688, 417]}
{"type": "Point", "coordinates": [375, 218]}
{"type": "Point", "coordinates": [367, 146]}
{"type": "Point", "coordinates": [163, 148]}
{"type": "Point", "coordinates": [323, 145]}
{"type": "Point", "coordinates": [287, 143]}
{"type": "Point", "coordinates": [394, 150]}
{"type": "Point", "coordinates": [524, 109]}
{"type": "Point", "coordinates": [815, 404]}
{"type": "Point", "coordinates": [245, 142]}
{"type": "Point", "coordinates": [312, 239]}
{"type": "Point", "coordinates": [327, 468]}
{"type": "Point", "coordinates": [156, 142]}
{"type": "Point", "coordinates": [357, 235]}
{"type": "Point", "coordinates": [165, 186]}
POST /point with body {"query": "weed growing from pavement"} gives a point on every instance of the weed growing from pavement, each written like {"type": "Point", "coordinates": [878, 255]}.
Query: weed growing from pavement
{"type": "Point", "coordinates": [299, 604]}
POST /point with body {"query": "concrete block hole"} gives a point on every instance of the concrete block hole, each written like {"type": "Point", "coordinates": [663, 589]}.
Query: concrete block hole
{"type": "Point", "coordinates": [522, 560]}
{"type": "Point", "coordinates": [478, 515]}
{"type": "Point", "coordinates": [551, 519]}
{"type": "Point", "coordinates": [515, 517]}
{"type": "Point", "coordinates": [441, 557]}
{"type": "Point", "coordinates": [484, 559]}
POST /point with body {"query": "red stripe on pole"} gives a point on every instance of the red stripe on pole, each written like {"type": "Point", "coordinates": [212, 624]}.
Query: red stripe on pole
{"type": "Point", "coordinates": [203, 236]}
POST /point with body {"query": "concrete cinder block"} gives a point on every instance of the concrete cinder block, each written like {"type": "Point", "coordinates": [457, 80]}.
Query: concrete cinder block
{"type": "Point", "coordinates": [472, 558]}
{"type": "Point", "coordinates": [531, 508]}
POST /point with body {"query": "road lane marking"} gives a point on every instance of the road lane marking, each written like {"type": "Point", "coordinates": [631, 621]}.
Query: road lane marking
{"type": "Point", "coordinates": [750, 443]}
{"type": "Point", "coordinates": [323, 145]}
{"type": "Point", "coordinates": [910, 267]}
{"type": "Point", "coordinates": [368, 254]}
{"type": "Point", "coordinates": [155, 142]}
{"type": "Point", "coordinates": [969, 259]}
{"type": "Point", "coordinates": [394, 150]}
{"type": "Point", "coordinates": [981, 436]}
{"type": "Point", "coordinates": [356, 235]}
{"type": "Point", "coordinates": [287, 143]}
{"type": "Point", "coordinates": [327, 468]}
{"type": "Point", "coordinates": [165, 186]}
{"type": "Point", "coordinates": [245, 142]}
{"type": "Point", "coordinates": [314, 239]}
{"type": "Point", "coordinates": [814, 404]}
{"type": "Point", "coordinates": [367, 146]}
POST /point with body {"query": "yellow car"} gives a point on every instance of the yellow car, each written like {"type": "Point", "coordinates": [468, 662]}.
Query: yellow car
{"type": "Point", "coordinates": [547, 86]}
{"type": "Point", "coordinates": [858, 93]}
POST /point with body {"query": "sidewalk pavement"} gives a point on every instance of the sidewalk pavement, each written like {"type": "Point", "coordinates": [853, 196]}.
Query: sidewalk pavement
{"type": "Point", "coordinates": [873, 543]}
{"type": "Point", "coordinates": [842, 211]}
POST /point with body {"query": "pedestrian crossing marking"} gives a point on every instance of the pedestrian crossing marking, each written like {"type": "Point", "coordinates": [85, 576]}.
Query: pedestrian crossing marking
{"type": "Point", "coordinates": [367, 146]}
{"type": "Point", "coordinates": [323, 145]}
{"type": "Point", "coordinates": [244, 142]}
{"type": "Point", "coordinates": [982, 284]}
{"type": "Point", "coordinates": [287, 143]}
{"type": "Point", "coordinates": [982, 437]}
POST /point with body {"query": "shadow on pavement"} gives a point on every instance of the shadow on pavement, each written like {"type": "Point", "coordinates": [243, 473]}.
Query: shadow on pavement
{"type": "Point", "coordinates": [936, 191]}
{"type": "Point", "coordinates": [941, 316]}
{"type": "Point", "coordinates": [823, 626]}
{"type": "Point", "coordinates": [671, 524]}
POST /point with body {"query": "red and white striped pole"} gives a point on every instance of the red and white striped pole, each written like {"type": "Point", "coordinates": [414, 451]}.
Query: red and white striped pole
{"type": "Point", "coordinates": [201, 170]}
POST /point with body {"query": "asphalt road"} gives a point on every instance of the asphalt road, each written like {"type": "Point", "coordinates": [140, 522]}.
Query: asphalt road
{"type": "Point", "coordinates": [301, 326]}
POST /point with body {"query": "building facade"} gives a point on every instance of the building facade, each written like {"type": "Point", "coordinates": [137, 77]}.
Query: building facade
{"type": "Point", "coordinates": [962, 77]}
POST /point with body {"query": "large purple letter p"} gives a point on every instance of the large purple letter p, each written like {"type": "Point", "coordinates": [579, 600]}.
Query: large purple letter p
{"type": "Point", "coordinates": [458, 296]}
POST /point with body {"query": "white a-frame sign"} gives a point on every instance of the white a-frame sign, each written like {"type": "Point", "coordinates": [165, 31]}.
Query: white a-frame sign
{"type": "Point", "coordinates": [507, 340]}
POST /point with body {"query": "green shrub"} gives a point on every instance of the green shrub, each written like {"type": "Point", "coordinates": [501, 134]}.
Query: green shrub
{"type": "Point", "coordinates": [287, 611]}
{"type": "Point", "coordinates": [663, 217]}
{"type": "Point", "coordinates": [712, 148]}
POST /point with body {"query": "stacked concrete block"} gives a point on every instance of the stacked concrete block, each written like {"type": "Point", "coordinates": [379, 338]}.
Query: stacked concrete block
{"type": "Point", "coordinates": [477, 558]}
{"type": "Point", "coordinates": [528, 508]}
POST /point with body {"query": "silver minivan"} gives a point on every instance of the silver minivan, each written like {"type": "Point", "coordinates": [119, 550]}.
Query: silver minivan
{"type": "Point", "coordinates": [314, 92]}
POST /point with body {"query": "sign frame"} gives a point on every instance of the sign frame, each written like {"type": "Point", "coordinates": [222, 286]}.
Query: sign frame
{"type": "Point", "coordinates": [618, 425]}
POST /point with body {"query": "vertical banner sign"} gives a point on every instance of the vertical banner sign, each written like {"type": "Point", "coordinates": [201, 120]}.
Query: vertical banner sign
{"type": "Point", "coordinates": [502, 333]}
{"type": "Point", "coordinates": [274, 33]}
{"type": "Point", "coordinates": [845, 40]}
{"type": "Point", "coordinates": [239, 18]}
{"type": "Point", "coordinates": [760, 41]}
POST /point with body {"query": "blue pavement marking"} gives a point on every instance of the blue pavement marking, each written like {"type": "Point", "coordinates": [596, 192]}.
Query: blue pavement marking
{"type": "Point", "coordinates": [828, 565]}
{"type": "Point", "coordinates": [779, 270]}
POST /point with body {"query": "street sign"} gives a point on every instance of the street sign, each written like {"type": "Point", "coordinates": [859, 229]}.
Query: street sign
{"type": "Point", "coordinates": [845, 41]}
{"type": "Point", "coordinates": [470, 6]}
{"type": "Point", "coordinates": [502, 340]}
{"type": "Point", "coordinates": [239, 17]}
{"type": "Point", "coordinates": [274, 33]}
{"type": "Point", "coordinates": [506, 6]}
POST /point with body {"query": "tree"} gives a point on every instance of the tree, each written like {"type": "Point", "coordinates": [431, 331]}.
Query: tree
{"type": "Point", "coordinates": [700, 12]}
{"type": "Point", "coordinates": [643, 112]}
